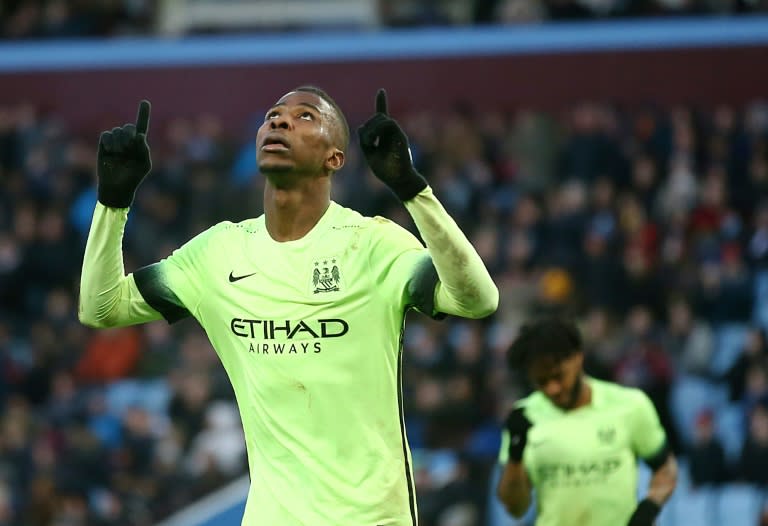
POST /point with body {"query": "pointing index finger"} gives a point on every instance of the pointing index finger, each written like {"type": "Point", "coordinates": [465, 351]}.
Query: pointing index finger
{"type": "Point", "coordinates": [381, 101]}
{"type": "Point", "coordinates": [142, 118]}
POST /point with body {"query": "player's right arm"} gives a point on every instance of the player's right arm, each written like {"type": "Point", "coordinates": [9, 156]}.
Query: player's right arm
{"type": "Point", "coordinates": [514, 488]}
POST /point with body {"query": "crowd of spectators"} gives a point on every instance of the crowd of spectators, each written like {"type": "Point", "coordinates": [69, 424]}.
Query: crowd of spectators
{"type": "Point", "coordinates": [649, 225]}
{"type": "Point", "coordinates": [38, 19]}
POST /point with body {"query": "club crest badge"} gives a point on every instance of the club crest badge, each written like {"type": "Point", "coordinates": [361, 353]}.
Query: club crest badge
{"type": "Point", "coordinates": [606, 435]}
{"type": "Point", "coordinates": [326, 275]}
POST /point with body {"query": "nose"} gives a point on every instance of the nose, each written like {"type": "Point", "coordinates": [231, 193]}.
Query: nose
{"type": "Point", "coordinates": [278, 122]}
{"type": "Point", "coordinates": [552, 388]}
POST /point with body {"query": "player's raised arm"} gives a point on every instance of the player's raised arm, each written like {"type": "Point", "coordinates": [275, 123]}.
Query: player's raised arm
{"type": "Point", "coordinates": [465, 287]}
{"type": "Point", "coordinates": [514, 488]}
{"type": "Point", "coordinates": [109, 298]}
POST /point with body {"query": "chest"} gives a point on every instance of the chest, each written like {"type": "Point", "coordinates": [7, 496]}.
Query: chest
{"type": "Point", "coordinates": [580, 436]}
{"type": "Point", "coordinates": [268, 279]}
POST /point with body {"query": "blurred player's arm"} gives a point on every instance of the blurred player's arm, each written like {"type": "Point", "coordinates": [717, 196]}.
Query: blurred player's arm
{"type": "Point", "coordinates": [660, 488]}
{"type": "Point", "coordinates": [514, 488]}
{"type": "Point", "coordinates": [650, 444]}
{"type": "Point", "coordinates": [465, 287]}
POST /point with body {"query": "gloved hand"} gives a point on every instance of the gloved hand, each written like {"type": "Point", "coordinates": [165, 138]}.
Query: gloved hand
{"type": "Point", "coordinates": [517, 425]}
{"type": "Point", "coordinates": [123, 160]}
{"type": "Point", "coordinates": [386, 150]}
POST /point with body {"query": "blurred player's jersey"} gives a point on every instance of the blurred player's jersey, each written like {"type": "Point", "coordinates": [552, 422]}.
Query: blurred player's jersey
{"type": "Point", "coordinates": [309, 332]}
{"type": "Point", "coordinates": [583, 463]}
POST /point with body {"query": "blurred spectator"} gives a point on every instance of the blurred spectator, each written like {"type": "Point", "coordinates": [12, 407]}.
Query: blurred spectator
{"type": "Point", "coordinates": [753, 356]}
{"type": "Point", "coordinates": [706, 456]}
{"type": "Point", "coordinates": [690, 341]}
{"type": "Point", "coordinates": [600, 344]}
{"type": "Point", "coordinates": [110, 355]}
{"type": "Point", "coordinates": [646, 364]}
{"type": "Point", "coordinates": [753, 463]}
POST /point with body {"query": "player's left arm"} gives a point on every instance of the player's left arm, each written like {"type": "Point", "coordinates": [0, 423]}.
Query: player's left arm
{"type": "Point", "coordinates": [464, 287]}
{"type": "Point", "coordinates": [649, 442]}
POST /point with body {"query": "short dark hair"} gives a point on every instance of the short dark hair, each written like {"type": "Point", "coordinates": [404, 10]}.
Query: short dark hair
{"type": "Point", "coordinates": [553, 338]}
{"type": "Point", "coordinates": [342, 120]}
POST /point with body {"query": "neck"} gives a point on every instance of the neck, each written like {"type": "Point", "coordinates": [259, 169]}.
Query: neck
{"type": "Point", "coordinates": [291, 212]}
{"type": "Point", "coordinates": [582, 393]}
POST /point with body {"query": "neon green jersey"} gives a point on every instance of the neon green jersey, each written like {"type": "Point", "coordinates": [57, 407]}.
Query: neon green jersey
{"type": "Point", "coordinates": [583, 463]}
{"type": "Point", "coordinates": [309, 332]}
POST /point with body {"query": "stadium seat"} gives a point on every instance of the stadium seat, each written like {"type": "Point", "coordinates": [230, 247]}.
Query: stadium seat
{"type": "Point", "coordinates": [729, 341]}
{"type": "Point", "coordinates": [151, 395]}
{"type": "Point", "coordinates": [689, 396]}
{"type": "Point", "coordinates": [730, 426]}
{"type": "Point", "coordinates": [739, 505]}
{"type": "Point", "coordinates": [695, 507]}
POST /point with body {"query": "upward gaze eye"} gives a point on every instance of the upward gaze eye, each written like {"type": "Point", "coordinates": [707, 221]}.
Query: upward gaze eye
{"type": "Point", "coordinates": [307, 116]}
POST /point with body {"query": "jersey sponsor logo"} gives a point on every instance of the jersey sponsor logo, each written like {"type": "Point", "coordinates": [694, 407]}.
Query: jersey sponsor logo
{"type": "Point", "coordinates": [573, 474]}
{"type": "Point", "coordinates": [233, 278]}
{"type": "Point", "coordinates": [326, 275]}
{"type": "Point", "coordinates": [289, 329]}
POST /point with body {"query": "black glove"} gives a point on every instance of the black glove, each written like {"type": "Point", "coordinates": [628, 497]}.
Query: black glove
{"type": "Point", "coordinates": [644, 514]}
{"type": "Point", "coordinates": [123, 160]}
{"type": "Point", "coordinates": [517, 425]}
{"type": "Point", "coordinates": [385, 147]}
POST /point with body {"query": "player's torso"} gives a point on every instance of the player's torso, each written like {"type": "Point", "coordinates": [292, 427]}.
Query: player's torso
{"type": "Point", "coordinates": [311, 346]}
{"type": "Point", "coordinates": [292, 304]}
{"type": "Point", "coordinates": [582, 466]}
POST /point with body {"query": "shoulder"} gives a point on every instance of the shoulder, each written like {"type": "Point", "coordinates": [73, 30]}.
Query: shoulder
{"type": "Point", "coordinates": [617, 394]}
{"type": "Point", "coordinates": [213, 241]}
{"type": "Point", "coordinates": [378, 229]}
{"type": "Point", "coordinates": [347, 217]}
{"type": "Point", "coordinates": [226, 229]}
{"type": "Point", "coordinates": [533, 405]}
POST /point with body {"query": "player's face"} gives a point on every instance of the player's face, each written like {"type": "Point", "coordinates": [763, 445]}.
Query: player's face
{"type": "Point", "coordinates": [297, 136]}
{"type": "Point", "coordinates": [558, 380]}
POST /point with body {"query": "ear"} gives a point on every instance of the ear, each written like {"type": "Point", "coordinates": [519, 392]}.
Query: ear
{"type": "Point", "coordinates": [335, 160]}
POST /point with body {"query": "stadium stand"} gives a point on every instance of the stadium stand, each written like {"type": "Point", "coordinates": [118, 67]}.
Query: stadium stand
{"type": "Point", "coordinates": [648, 222]}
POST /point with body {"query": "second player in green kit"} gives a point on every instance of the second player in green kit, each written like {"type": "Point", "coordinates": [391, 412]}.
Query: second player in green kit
{"type": "Point", "coordinates": [576, 440]}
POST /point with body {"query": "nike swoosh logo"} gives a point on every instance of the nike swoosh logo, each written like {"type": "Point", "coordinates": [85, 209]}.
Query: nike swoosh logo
{"type": "Point", "coordinates": [233, 278]}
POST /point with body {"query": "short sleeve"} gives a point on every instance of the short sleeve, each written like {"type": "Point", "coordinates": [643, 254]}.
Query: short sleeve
{"type": "Point", "coordinates": [174, 285]}
{"type": "Point", "coordinates": [648, 435]}
{"type": "Point", "coordinates": [400, 263]}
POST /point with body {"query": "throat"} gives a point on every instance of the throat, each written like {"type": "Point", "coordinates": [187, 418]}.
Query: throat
{"type": "Point", "coordinates": [292, 214]}
{"type": "Point", "coordinates": [581, 394]}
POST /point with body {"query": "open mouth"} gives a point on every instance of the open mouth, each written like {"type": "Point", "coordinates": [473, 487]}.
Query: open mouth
{"type": "Point", "coordinates": [274, 144]}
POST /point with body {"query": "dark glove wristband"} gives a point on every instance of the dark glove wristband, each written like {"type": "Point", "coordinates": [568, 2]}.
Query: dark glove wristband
{"type": "Point", "coordinates": [516, 448]}
{"type": "Point", "coordinates": [115, 197]}
{"type": "Point", "coordinates": [645, 513]}
{"type": "Point", "coordinates": [408, 185]}
{"type": "Point", "coordinates": [517, 426]}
